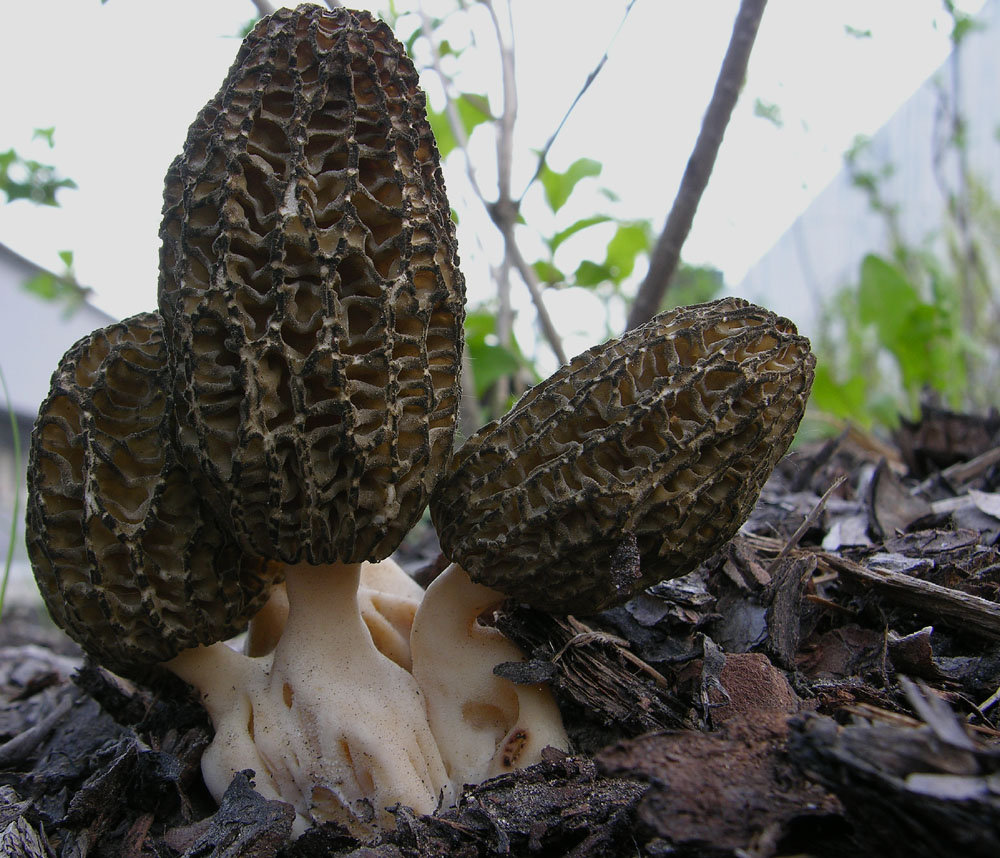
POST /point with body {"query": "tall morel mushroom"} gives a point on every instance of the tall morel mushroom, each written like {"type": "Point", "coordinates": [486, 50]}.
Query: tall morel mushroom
{"type": "Point", "coordinates": [665, 435]}
{"type": "Point", "coordinates": [313, 305]}
{"type": "Point", "coordinates": [311, 293]}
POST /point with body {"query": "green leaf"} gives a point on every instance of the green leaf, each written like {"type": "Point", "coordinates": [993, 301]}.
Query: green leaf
{"type": "Point", "coordinates": [964, 25]}
{"type": "Point", "coordinates": [45, 134]}
{"type": "Point", "coordinates": [629, 240]}
{"type": "Point", "coordinates": [885, 298]}
{"type": "Point", "coordinates": [412, 40]}
{"type": "Point", "coordinates": [845, 400]}
{"type": "Point", "coordinates": [441, 129]}
{"type": "Point", "coordinates": [573, 229]}
{"type": "Point", "coordinates": [67, 257]}
{"type": "Point", "coordinates": [39, 183]}
{"type": "Point", "coordinates": [44, 285]}
{"type": "Point", "coordinates": [472, 110]}
{"type": "Point", "coordinates": [590, 273]}
{"type": "Point", "coordinates": [548, 273]}
{"type": "Point", "coordinates": [922, 337]}
{"type": "Point", "coordinates": [489, 361]}
{"type": "Point", "coordinates": [432, 26]}
{"type": "Point", "coordinates": [768, 110]}
{"type": "Point", "coordinates": [558, 186]}
{"type": "Point", "coordinates": [489, 364]}
{"type": "Point", "coordinates": [479, 324]}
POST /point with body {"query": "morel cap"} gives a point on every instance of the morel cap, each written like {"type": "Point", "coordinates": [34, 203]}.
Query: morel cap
{"type": "Point", "coordinates": [310, 291]}
{"type": "Point", "coordinates": [129, 559]}
{"type": "Point", "coordinates": [666, 435]}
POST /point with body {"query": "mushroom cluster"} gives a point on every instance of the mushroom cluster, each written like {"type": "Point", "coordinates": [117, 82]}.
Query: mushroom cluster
{"type": "Point", "coordinates": [248, 458]}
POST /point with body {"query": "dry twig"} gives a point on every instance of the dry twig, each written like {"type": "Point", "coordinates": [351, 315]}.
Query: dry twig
{"type": "Point", "coordinates": [667, 251]}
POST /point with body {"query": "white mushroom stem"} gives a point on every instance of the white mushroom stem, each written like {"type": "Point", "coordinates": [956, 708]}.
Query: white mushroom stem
{"type": "Point", "coordinates": [267, 625]}
{"type": "Point", "coordinates": [388, 599]}
{"type": "Point", "coordinates": [229, 684]}
{"type": "Point", "coordinates": [485, 725]}
{"type": "Point", "coordinates": [329, 723]}
{"type": "Point", "coordinates": [331, 720]}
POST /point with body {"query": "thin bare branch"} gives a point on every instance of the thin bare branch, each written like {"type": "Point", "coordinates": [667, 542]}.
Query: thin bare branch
{"type": "Point", "coordinates": [263, 7]}
{"type": "Point", "coordinates": [505, 130]}
{"type": "Point", "coordinates": [544, 154]}
{"type": "Point", "coordinates": [450, 108]}
{"type": "Point", "coordinates": [504, 330]}
{"type": "Point", "coordinates": [530, 278]}
{"type": "Point", "coordinates": [667, 251]}
{"type": "Point", "coordinates": [505, 210]}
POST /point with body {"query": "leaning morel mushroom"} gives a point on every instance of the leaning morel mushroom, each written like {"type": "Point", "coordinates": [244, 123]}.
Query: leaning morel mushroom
{"type": "Point", "coordinates": [129, 559]}
{"type": "Point", "coordinates": [665, 435]}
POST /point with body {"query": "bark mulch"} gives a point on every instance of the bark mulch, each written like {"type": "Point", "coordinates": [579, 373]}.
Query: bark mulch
{"type": "Point", "coordinates": [828, 684]}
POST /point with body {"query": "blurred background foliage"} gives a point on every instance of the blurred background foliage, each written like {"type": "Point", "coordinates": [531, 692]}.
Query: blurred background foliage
{"type": "Point", "coordinates": [922, 321]}
{"type": "Point", "coordinates": [917, 321]}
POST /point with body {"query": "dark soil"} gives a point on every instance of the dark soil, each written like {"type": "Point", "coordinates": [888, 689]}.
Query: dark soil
{"type": "Point", "coordinates": [828, 684]}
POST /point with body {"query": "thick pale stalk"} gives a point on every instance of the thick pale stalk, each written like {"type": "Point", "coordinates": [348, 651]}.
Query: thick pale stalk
{"type": "Point", "coordinates": [327, 722]}
{"type": "Point", "coordinates": [485, 725]}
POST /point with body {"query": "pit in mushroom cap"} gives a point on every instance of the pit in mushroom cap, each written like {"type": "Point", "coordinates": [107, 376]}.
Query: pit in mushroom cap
{"type": "Point", "coordinates": [666, 434]}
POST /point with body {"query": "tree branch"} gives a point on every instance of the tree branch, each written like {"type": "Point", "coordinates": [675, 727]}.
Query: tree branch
{"type": "Point", "coordinates": [505, 210]}
{"type": "Point", "coordinates": [450, 109]}
{"type": "Point", "coordinates": [264, 8]}
{"type": "Point", "coordinates": [667, 251]}
{"type": "Point", "coordinates": [544, 154]}
{"type": "Point", "coordinates": [530, 278]}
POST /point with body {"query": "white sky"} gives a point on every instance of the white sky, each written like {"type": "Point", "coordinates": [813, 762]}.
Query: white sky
{"type": "Point", "coordinates": [121, 82]}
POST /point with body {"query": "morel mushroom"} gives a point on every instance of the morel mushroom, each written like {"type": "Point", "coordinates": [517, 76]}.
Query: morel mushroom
{"type": "Point", "coordinates": [135, 566]}
{"type": "Point", "coordinates": [311, 293]}
{"type": "Point", "coordinates": [665, 435]}
{"type": "Point", "coordinates": [129, 559]}
{"type": "Point", "coordinates": [486, 725]}
{"type": "Point", "coordinates": [314, 306]}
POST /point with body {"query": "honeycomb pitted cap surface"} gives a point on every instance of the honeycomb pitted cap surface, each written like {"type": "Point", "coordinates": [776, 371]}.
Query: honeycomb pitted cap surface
{"type": "Point", "coordinates": [128, 559]}
{"type": "Point", "coordinates": [311, 294]}
{"type": "Point", "coordinates": [666, 435]}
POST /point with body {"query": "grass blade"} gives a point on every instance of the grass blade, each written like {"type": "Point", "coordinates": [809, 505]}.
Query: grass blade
{"type": "Point", "coordinates": [17, 491]}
